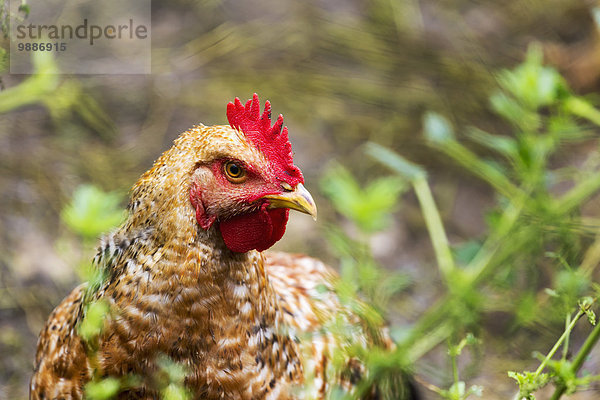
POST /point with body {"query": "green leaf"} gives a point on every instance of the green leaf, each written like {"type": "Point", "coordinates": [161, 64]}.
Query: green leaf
{"type": "Point", "coordinates": [565, 128]}
{"type": "Point", "coordinates": [437, 128]}
{"type": "Point", "coordinates": [176, 372]}
{"type": "Point", "coordinates": [104, 389]}
{"type": "Point", "coordinates": [368, 208]}
{"type": "Point", "coordinates": [582, 108]}
{"type": "Point", "coordinates": [504, 145]}
{"type": "Point", "coordinates": [532, 84]}
{"type": "Point", "coordinates": [92, 324]}
{"type": "Point", "coordinates": [175, 392]}
{"type": "Point", "coordinates": [171, 378]}
{"type": "Point", "coordinates": [40, 87]}
{"type": "Point", "coordinates": [529, 382]}
{"type": "Point", "coordinates": [585, 305]}
{"type": "Point", "coordinates": [457, 390]}
{"type": "Point", "coordinates": [92, 211]}
{"type": "Point", "coordinates": [514, 112]}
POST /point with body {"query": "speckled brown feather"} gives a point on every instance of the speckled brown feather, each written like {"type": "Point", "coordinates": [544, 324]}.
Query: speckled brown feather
{"type": "Point", "coordinates": [235, 320]}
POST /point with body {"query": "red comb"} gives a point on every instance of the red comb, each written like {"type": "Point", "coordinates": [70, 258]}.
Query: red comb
{"type": "Point", "coordinates": [271, 140]}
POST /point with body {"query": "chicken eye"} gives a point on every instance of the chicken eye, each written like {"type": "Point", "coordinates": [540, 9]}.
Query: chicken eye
{"type": "Point", "coordinates": [234, 172]}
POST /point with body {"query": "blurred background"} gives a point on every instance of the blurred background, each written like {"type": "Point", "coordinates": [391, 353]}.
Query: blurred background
{"type": "Point", "coordinates": [344, 74]}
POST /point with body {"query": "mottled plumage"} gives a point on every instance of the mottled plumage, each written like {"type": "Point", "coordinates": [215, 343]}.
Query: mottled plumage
{"type": "Point", "coordinates": [245, 324]}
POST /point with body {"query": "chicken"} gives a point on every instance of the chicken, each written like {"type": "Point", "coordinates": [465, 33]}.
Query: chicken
{"type": "Point", "coordinates": [186, 277]}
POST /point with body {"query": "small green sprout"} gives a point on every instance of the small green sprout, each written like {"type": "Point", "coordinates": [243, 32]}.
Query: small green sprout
{"type": "Point", "coordinates": [92, 211]}
{"type": "Point", "coordinates": [92, 324]}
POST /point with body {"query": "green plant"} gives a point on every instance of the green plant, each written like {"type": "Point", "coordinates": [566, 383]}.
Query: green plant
{"type": "Point", "coordinates": [532, 230]}
{"type": "Point", "coordinates": [562, 372]}
{"type": "Point", "coordinates": [93, 212]}
{"type": "Point", "coordinates": [90, 213]}
{"type": "Point", "coordinates": [369, 207]}
{"type": "Point", "coordinates": [458, 390]}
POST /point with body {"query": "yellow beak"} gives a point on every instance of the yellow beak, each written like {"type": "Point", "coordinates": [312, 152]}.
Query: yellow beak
{"type": "Point", "coordinates": [298, 199]}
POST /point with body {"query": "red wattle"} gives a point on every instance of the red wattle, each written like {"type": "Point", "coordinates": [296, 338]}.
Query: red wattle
{"type": "Point", "coordinates": [259, 230]}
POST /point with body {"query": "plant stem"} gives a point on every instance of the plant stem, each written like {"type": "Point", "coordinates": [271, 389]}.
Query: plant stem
{"type": "Point", "coordinates": [562, 338]}
{"type": "Point", "coordinates": [434, 319]}
{"type": "Point", "coordinates": [433, 221]}
{"type": "Point", "coordinates": [566, 345]}
{"type": "Point", "coordinates": [589, 343]}
{"type": "Point", "coordinates": [428, 341]}
{"type": "Point", "coordinates": [509, 217]}
{"type": "Point", "coordinates": [454, 368]}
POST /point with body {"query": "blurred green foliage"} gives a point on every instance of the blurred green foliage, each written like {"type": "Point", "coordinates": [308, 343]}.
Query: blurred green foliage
{"type": "Point", "coordinates": [103, 389]}
{"type": "Point", "coordinates": [90, 213]}
{"type": "Point", "coordinates": [39, 87]}
{"type": "Point", "coordinates": [459, 390]}
{"type": "Point", "coordinates": [530, 218]}
{"type": "Point", "coordinates": [93, 212]}
{"type": "Point", "coordinates": [171, 377]}
{"type": "Point", "coordinates": [91, 326]}
{"type": "Point", "coordinates": [369, 207]}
